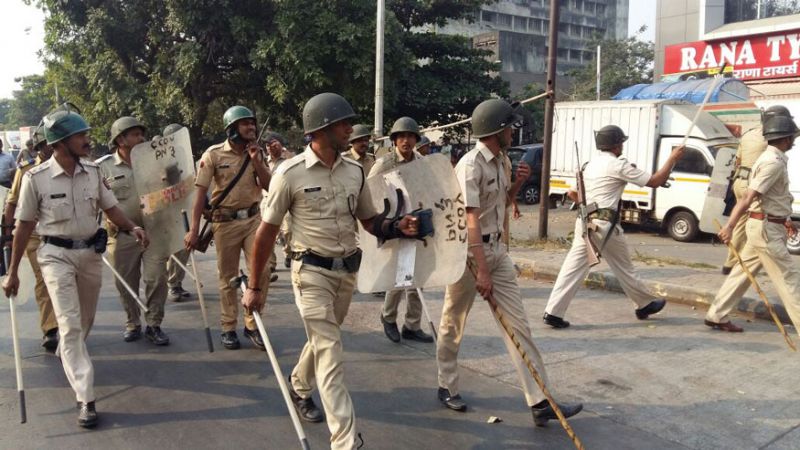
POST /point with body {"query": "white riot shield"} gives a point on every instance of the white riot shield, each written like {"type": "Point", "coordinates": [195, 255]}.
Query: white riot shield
{"type": "Point", "coordinates": [440, 259]}
{"type": "Point", "coordinates": [163, 173]}
{"type": "Point", "coordinates": [714, 205]}
{"type": "Point", "coordinates": [27, 281]}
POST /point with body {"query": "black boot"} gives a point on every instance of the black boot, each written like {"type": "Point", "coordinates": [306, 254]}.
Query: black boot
{"type": "Point", "coordinates": [156, 336]}
{"type": "Point", "coordinates": [416, 335]}
{"type": "Point", "coordinates": [255, 338]}
{"type": "Point", "coordinates": [132, 335]}
{"type": "Point", "coordinates": [87, 415]}
{"type": "Point", "coordinates": [453, 402]}
{"type": "Point", "coordinates": [554, 321]}
{"type": "Point", "coordinates": [651, 308]}
{"type": "Point", "coordinates": [306, 408]}
{"type": "Point", "coordinates": [390, 328]}
{"type": "Point", "coordinates": [543, 412]}
{"type": "Point", "coordinates": [230, 340]}
{"type": "Point", "coordinates": [50, 340]}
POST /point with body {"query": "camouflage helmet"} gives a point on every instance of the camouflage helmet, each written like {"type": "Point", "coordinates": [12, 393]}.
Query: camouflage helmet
{"type": "Point", "coordinates": [404, 125]}
{"type": "Point", "coordinates": [778, 127]}
{"type": "Point", "coordinates": [423, 141]}
{"type": "Point", "coordinates": [62, 123]}
{"type": "Point", "coordinates": [360, 131]}
{"type": "Point", "coordinates": [235, 114]}
{"type": "Point", "coordinates": [609, 137]}
{"type": "Point", "coordinates": [493, 116]}
{"type": "Point", "coordinates": [775, 110]}
{"type": "Point", "coordinates": [325, 109]}
{"type": "Point", "coordinates": [122, 125]}
{"type": "Point", "coordinates": [171, 128]}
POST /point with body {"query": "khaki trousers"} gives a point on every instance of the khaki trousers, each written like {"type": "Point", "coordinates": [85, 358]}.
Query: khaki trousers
{"type": "Point", "coordinates": [134, 263]}
{"type": "Point", "coordinates": [73, 280]}
{"type": "Point", "coordinates": [413, 307]}
{"type": "Point", "coordinates": [739, 236]}
{"type": "Point", "coordinates": [458, 299]}
{"type": "Point", "coordinates": [231, 239]}
{"type": "Point", "coordinates": [575, 267]}
{"type": "Point", "coordinates": [765, 247]}
{"type": "Point", "coordinates": [323, 298]}
{"type": "Point", "coordinates": [47, 317]}
{"type": "Point", "coordinates": [175, 273]}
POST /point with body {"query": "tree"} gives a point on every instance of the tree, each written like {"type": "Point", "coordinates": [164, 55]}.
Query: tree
{"type": "Point", "coordinates": [30, 103]}
{"type": "Point", "coordinates": [624, 62]}
{"type": "Point", "coordinates": [5, 108]}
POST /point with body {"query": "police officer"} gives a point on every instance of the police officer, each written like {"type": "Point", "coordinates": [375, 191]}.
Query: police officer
{"type": "Point", "coordinates": [129, 259]}
{"type": "Point", "coordinates": [486, 193]}
{"type": "Point", "coordinates": [767, 204]}
{"type": "Point", "coordinates": [605, 177]}
{"type": "Point", "coordinates": [175, 272]}
{"type": "Point", "coordinates": [325, 194]}
{"type": "Point", "coordinates": [47, 317]}
{"type": "Point", "coordinates": [277, 154]}
{"type": "Point", "coordinates": [423, 146]}
{"type": "Point", "coordinates": [359, 147]}
{"type": "Point", "coordinates": [404, 136]}
{"type": "Point", "coordinates": [751, 146]}
{"type": "Point", "coordinates": [28, 153]}
{"type": "Point", "coordinates": [65, 194]}
{"type": "Point", "coordinates": [235, 219]}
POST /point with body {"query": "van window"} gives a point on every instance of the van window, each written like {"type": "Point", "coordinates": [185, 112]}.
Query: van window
{"type": "Point", "coordinates": [693, 161]}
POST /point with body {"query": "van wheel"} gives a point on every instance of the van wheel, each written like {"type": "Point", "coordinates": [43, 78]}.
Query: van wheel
{"type": "Point", "coordinates": [531, 195]}
{"type": "Point", "coordinates": [793, 244]}
{"type": "Point", "coordinates": [683, 226]}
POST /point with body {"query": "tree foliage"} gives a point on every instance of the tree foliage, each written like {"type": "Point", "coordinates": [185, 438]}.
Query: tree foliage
{"type": "Point", "coordinates": [186, 60]}
{"type": "Point", "coordinates": [624, 62]}
{"type": "Point", "coordinates": [29, 103]}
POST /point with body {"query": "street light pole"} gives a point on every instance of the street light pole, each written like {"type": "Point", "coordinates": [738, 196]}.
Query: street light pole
{"type": "Point", "coordinates": [552, 54]}
{"type": "Point", "coordinates": [379, 69]}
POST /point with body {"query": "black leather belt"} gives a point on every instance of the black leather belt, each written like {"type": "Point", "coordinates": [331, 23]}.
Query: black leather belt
{"type": "Point", "coordinates": [488, 237]}
{"type": "Point", "coordinates": [72, 244]}
{"type": "Point", "coordinates": [227, 215]}
{"type": "Point", "coordinates": [348, 264]}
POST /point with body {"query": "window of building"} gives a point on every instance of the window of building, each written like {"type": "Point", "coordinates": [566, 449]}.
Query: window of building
{"type": "Point", "coordinates": [504, 20]}
{"type": "Point", "coordinates": [520, 23]}
{"type": "Point", "coordinates": [488, 17]}
{"type": "Point", "coordinates": [589, 7]}
{"type": "Point", "coordinates": [575, 55]}
{"type": "Point", "coordinates": [601, 9]}
{"type": "Point", "coordinates": [563, 53]}
{"type": "Point", "coordinates": [741, 10]}
{"type": "Point", "coordinates": [577, 5]}
{"type": "Point", "coordinates": [563, 28]}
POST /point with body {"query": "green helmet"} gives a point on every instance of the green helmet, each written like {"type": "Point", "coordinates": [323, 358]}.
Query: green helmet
{"type": "Point", "coordinates": [325, 109]}
{"type": "Point", "coordinates": [493, 116]}
{"type": "Point", "coordinates": [404, 125]}
{"type": "Point", "coordinates": [778, 127]}
{"type": "Point", "coordinates": [38, 137]}
{"type": "Point", "coordinates": [63, 123]}
{"type": "Point", "coordinates": [609, 137]}
{"type": "Point", "coordinates": [422, 142]}
{"type": "Point", "coordinates": [360, 131]}
{"type": "Point", "coordinates": [235, 114]}
{"type": "Point", "coordinates": [122, 125]}
{"type": "Point", "coordinates": [171, 128]}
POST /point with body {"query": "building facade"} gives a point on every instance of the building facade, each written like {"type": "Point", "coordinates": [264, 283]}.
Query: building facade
{"type": "Point", "coordinates": [515, 31]}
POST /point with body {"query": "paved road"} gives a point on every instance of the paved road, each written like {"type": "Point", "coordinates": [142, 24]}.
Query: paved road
{"type": "Point", "coordinates": [667, 383]}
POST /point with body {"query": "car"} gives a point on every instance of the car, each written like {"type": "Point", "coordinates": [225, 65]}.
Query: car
{"type": "Point", "coordinates": [532, 155]}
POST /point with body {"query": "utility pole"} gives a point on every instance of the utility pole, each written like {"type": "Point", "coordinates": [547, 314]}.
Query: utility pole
{"type": "Point", "coordinates": [598, 73]}
{"type": "Point", "coordinates": [552, 54]}
{"type": "Point", "coordinates": [379, 69]}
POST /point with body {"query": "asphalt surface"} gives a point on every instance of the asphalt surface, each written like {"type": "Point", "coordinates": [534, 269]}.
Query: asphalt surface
{"type": "Point", "coordinates": [664, 383]}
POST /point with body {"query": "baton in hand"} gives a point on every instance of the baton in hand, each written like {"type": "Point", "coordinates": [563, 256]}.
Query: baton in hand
{"type": "Point", "coordinates": [199, 288]}
{"type": "Point", "coordinates": [23, 416]}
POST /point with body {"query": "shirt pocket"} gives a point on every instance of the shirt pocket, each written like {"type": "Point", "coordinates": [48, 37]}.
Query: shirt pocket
{"type": "Point", "coordinates": [223, 174]}
{"type": "Point", "coordinates": [489, 191]}
{"type": "Point", "coordinates": [316, 203]}
{"type": "Point", "coordinates": [56, 210]}
{"type": "Point", "coordinates": [121, 187]}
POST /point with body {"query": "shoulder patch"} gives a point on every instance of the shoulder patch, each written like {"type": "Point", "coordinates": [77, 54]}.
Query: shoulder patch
{"type": "Point", "coordinates": [103, 158]}
{"type": "Point", "coordinates": [216, 147]}
{"type": "Point", "coordinates": [40, 168]}
{"type": "Point", "coordinates": [89, 163]}
{"type": "Point", "coordinates": [290, 163]}
{"type": "Point", "coordinates": [352, 161]}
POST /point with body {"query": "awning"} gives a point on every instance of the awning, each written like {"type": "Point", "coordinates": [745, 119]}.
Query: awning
{"type": "Point", "coordinates": [775, 90]}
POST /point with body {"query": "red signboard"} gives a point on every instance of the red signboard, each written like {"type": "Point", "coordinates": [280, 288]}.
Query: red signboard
{"type": "Point", "coordinates": [757, 57]}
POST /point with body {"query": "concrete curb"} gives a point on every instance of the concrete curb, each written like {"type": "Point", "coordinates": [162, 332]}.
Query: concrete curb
{"type": "Point", "coordinates": [700, 298]}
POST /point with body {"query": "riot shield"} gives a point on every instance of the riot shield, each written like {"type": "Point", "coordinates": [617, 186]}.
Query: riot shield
{"type": "Point", "coordinates": [714, 206]}
{"type": "Point", "coordinates": [438, 260]}
{"type": "Point", "coordinates": [164, 175]}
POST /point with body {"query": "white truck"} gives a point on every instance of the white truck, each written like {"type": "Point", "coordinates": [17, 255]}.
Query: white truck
{"type": "Point", "coordinates": [654, 127]}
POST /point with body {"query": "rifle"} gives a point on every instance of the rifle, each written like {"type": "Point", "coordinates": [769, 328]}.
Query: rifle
{"type": "Point", "coordinates": [592, 254]}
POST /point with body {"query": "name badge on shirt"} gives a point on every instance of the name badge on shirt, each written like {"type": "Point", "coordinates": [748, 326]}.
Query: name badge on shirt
{"type": "Point", "coordinates": [491, 181]}
{"type": "Point", "coordinates": [58, 195]}
{"type": "Point", "coordinates": [119, 177]}
{"type": "Point", "coordinates": [224, 166]}
{"type": "Point", "coordinates": [312, 189]}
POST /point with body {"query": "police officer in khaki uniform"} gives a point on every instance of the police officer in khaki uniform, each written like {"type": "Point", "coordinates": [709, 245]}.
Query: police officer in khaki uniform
{"type": "Point", "coordinates": [235, 220]}
{"type": "Point", "coordinates": [129, 259]}
{"type": "Point", "coordinates": [277, 153]}
{"type": "Point", "coordinates": [767, 204]}
{"type": "Point", "coordinates": [404, 135]}
{"type": "Point", "coordinates": [175, 272]}
{"type": "Point", "coordinates": [325, 194]}
{"type": "Point", "coordinates": [486, 193]}
{"type": "Point", "coordinates": [751, 146]}
{"type": "Point", "coordinates": [359, 147]}
{"type": "Point", "coordinates": [605, 177]}
{"type": "Point", "coordinates": [65, 194]}
{"type": "Point", "coordinates": [423, 146]}
{"type": "Point", "coordinates": [47, 317]}
{"type": "Point", "coordinates": [28, 153]}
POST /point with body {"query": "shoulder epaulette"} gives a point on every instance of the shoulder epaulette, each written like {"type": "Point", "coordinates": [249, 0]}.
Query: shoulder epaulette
{"type": "Point", "coordinates": [103, 158]}
{"type": "Point", "coordinates": [291, 162]}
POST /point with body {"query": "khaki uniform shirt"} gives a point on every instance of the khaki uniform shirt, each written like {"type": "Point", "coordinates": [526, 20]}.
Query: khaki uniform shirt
{"type": "Point", "coordinates": [390, 161]}
{"type": "Point", "coordinates": [770, 178]}
{"type": "Point", "coordinates": [65, 206]}
{"type": "Point", "coordinates": [324, 203]}
{"type": "Point", "coordinates": [482, 178]}
{"type": "Point", "coordinates": [605, 177]}
{"type": "Point", "coordinates": [26, 155]}
{"type": "Point", "coordinates": [751, 146]}
{"type": "Point", "coordinates": [220, 164]}
{"type": "Point", "coordinates": [118, 175]}
{"type": "Point", "coordinates": [16, 185]}
{"type": "Point", "coordinates": [366, 161]}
